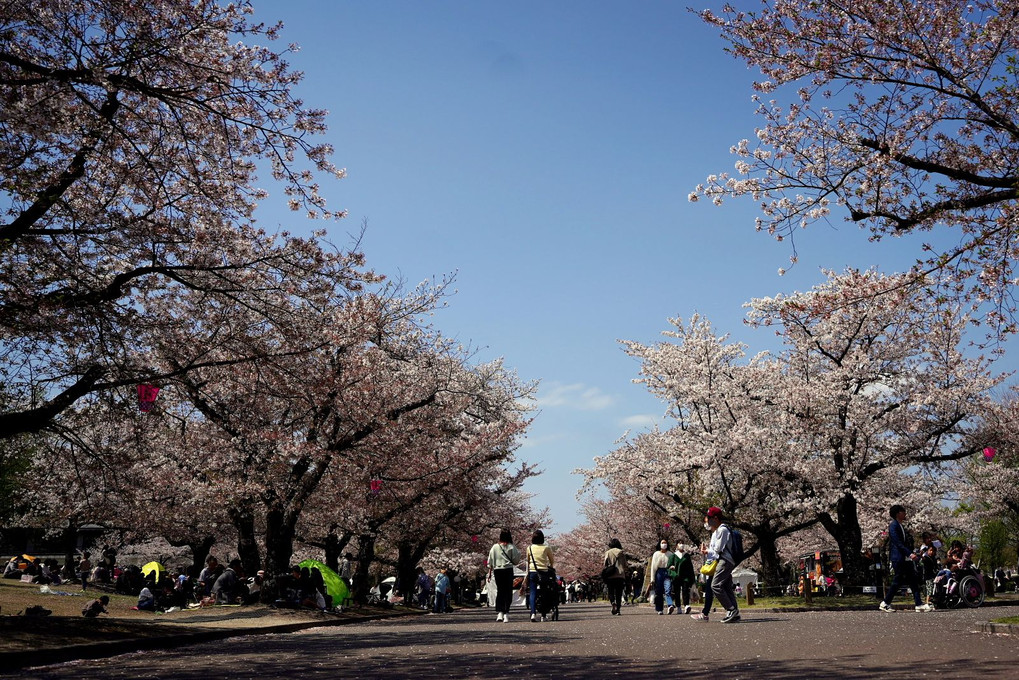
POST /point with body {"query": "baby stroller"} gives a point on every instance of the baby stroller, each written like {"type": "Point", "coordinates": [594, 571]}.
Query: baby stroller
{"type": "Point", "coordinates": [547, 594]}
{"type": "Point", "coordinates": [965, 586]}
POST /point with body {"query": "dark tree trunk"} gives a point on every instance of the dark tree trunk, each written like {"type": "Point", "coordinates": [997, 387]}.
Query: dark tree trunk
{"type": "Point", "coordinates": [200, 550]}
{"type": "Point", "coordinates": [365, 557]}
{"type": "Point", "coordinates": [771, 565]}
{"type": "Point", "coordinates": [334, 545]}
{"type": "Point", "coordinates": [845, 529]}
{"type": "Point", "coordinates": [408, 557]}
{"type": "Point", "coordinates": [243, 520]}
{"type": "Point", "coordinates": [279, 542]}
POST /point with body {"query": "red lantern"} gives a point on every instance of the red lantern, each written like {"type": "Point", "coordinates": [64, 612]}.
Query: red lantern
{"type": "Point", "coordinates": [666, 526]}
{"type": "Point", "coordinates": [147, 397]}
{"type": "Point", "coordinates": [376, 485]}
{"type": "Point", "coordinates": [989, 454]}
{"type": "Point", "coordinates": [474, 538]}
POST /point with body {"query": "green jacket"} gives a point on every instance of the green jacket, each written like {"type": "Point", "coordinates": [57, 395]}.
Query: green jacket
{"type": "Point", "coordinates": [681, 569]}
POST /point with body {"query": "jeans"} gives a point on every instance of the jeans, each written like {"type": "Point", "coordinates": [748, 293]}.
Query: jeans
{"type": "Point", "coordinates": [503, 589]}
{"type": "Point", "coordinates": [663, 589]}
{"type": "Point", "coordinates": [709, 596]}
{"type": "Point", "coordinates": [440, 602]}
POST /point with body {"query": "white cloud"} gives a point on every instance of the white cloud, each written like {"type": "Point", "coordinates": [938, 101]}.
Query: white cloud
{"type": "Point", "coordinates": [577, 396]}
{"type": "Point", "coordinates": [640, 420]}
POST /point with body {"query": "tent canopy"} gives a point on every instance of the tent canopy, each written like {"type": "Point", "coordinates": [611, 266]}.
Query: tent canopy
{"type": "Point", "coordinates": [154, 570]}
{"type": "Point", "coordinates": [335, 586]}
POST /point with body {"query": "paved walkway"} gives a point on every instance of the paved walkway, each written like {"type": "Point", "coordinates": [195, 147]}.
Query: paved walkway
{"type": "Point", "coordinates": [588, 643]}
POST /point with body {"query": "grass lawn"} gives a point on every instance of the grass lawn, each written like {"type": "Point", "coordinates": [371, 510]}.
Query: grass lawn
{"type": "Point", "coordinates": [1007, 619]}
{"type": "Point", "coordinates": [66, 626]}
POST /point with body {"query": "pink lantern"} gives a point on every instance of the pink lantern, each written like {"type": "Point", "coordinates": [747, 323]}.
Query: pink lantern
{"type": "Point", "coordinates": [474, 538]}
{"type": "Point", "coordinates": [989, 454]}
{"type": "Point", "coordinates": [666, 526]}
{"type": "Point", "coordinates": [147, 397]}
{"type": "Point", "coordinates": [376, 485]}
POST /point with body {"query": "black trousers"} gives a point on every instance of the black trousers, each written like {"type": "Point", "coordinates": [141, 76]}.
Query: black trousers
{"type": "Point", "coordinates": [615, 586]}
{"type": "Point", "coordinates": [503, 589]}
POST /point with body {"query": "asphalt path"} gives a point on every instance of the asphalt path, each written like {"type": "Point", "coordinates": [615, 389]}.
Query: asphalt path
{"type": "Point", "coordinates": [589, 643]}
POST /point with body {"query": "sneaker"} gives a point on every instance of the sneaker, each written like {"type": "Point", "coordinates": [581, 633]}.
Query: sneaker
{"type": "Point", "coordinates": [505, 618]}
{"type": "Point", "coordinates": [924, 608]}
{"type": "Point", "coordinates": [544, 618]}
{"type": "Point", "coordinates": [731, 616]}
{"type": "Point", "coordinates": [699, 617]}
{"type": "Point", "coordinates": [672, 609]}
{"type": "Point", "coordinates": [686, 609]}
{"type": "Point", "coordinates": [660, 613]}
{"type": "Point", "coordinates": [534, 618]}
{"type": "Point", "coordinates": [885, 607]}
{"type": "Point", "coordinates": [498, 617]}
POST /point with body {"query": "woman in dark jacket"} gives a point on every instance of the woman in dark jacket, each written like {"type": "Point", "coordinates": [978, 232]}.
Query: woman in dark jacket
{"type": "Point", "coordinates": [615, 557]}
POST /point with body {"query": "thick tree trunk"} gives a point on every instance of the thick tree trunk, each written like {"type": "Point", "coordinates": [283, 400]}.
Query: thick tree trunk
{"type": "Point", "coordinates": [408, 557]}
{"type": "Point", "coordinates": [771, 565]}
{"type": "Point", "coordinates": [845, 529]}
{"type": "Point", "coordinates": [243, 519]}
{"type": "Point", "coordinates": [365, 557]}
{"type": "Point", "coordinates": [334, 545]}
{"type": "Point", "coordinates": [200, 550]}
{"type": "Point", "coordinates": [279, 542]}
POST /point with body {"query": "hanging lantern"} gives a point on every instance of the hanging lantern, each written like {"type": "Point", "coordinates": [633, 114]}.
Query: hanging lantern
{"type": "Point", "coordinates": [376, 486]}
{"type": "Point", "coordinates": [989, 453]}
{"type": "Point", "coordinates": [147, 397]}
{"type": "Point", "coordinates": [475, 538]}
{"type": "Point", "coordinates": [666, 526]}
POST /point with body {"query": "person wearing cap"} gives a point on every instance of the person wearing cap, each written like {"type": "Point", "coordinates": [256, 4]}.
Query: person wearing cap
{"type": "Point", "coordinates": [658, 578]}
{"type": "Point", "coordinates": [719, 549]}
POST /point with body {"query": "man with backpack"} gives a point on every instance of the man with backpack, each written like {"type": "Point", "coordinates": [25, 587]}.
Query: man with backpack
{"type": "Point", "coordinates": [726, 547]}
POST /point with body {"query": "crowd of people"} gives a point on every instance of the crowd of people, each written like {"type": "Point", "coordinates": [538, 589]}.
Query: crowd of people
{"type": "Point", "coordinates": [668, 578]}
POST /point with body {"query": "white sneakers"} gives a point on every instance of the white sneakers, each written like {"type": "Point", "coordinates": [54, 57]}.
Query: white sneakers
{"type": "Point", "coordinates": [534, 618]}
{"type": "Point", "coordinates": [686, 609]}
{"type": "Point", "coordinates": [885, 607]}
{"type": "Point", "coordinates": [672, 609]}
{"type": "Point", "coordinates": [924, 608]}
{"type": "Point", "coordinates": [498, 617]}
{"type": "Point", "coordinates": [505, 618]}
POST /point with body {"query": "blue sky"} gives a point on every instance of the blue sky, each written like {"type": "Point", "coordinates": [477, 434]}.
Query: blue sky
{"type": "Point", "coordinates": [544, 153]}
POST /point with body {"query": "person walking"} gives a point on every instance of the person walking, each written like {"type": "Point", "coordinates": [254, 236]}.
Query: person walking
{"type": "Point", "coordinates": [902, 557]}
{"type": "Point", "coordinates": [501, 558]}
{"type": "Point", "coordinates": [539, 559]}
{"type": "Point", "coordinates": [658, 578]}
{"type": "Point", "coordinates": [615, 558]}
{"type": "Point", "coordinates": [682, 576]}
{"type": "Point", "coordinates": [720, 550]}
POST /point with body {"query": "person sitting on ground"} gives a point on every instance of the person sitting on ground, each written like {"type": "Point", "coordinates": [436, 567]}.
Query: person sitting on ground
{"type": "Point", "coordinates": [96, 607]}
{"type": "Point", "coordinates": [225, 587]}
{"type": "Point", "coordinates": [255, 588]}
{"type": "Point", "coordinates": [146, 598]}
{"type": "Point", "coordinates": [207, 578]}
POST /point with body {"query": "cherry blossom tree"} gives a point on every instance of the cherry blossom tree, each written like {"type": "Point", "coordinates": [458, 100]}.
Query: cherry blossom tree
{"type": "Point", "coordinates": [866, 388]}
{"type": "Point", "coordinates": [902, 116]}
{"type": "Point", "coordinates": [130, 138]}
